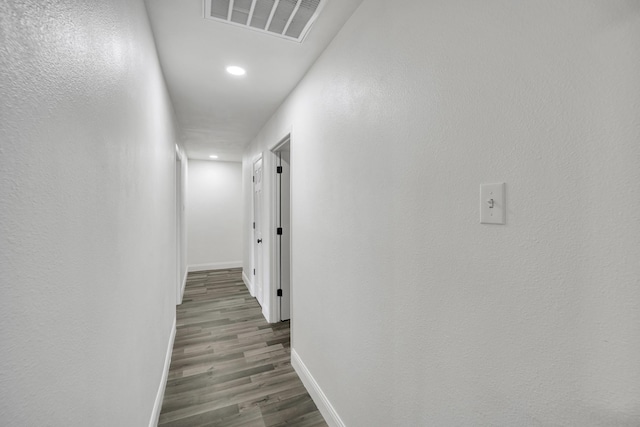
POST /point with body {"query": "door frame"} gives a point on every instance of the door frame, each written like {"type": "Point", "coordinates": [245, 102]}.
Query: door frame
{"type": "Point", "coordinates": [181, 261]}
{"type": "Point", "coordinates": [254, 256]}
{"type": "Point", "coordinates": [275, 256]}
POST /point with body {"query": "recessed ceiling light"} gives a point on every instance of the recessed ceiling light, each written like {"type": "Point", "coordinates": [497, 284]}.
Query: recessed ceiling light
{"type": "Point", "coordinates": [213, 157]}
{"type": "Point", "coordinates": [236, 71]}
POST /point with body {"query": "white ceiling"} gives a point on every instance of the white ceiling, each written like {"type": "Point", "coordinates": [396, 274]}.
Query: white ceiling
{"type": "Point", "coordinates": [218, 113]}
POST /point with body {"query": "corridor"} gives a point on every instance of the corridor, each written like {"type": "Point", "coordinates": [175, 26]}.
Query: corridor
{"type": "Point", "coordinates": [230, 367]}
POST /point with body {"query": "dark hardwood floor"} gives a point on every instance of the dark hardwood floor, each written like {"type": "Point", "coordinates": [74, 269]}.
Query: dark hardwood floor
{"type": "Point", "coordinates": [230, 367]}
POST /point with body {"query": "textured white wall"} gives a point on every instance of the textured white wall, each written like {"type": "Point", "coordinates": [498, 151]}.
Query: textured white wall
{"type": "Point", "coordinates": [87, 214]}
{"type": "Point", "coordinates": [406, 310]}
{"type": "Point", "coordinates": [214, 214]}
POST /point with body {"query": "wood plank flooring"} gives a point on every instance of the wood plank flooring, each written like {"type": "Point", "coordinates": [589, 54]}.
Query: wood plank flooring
{"type": "Point", "coordinates": [230, 367]}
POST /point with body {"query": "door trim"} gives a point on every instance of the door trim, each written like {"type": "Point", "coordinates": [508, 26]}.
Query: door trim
{"type": "Point", "coordinates": [258, 279]}
{"type": "Point", "coordinates": [275, 271]}
{"type": "Point", "coordinates": [181, 259]}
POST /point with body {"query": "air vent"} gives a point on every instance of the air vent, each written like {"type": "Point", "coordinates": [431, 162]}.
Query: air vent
{"type": "Point", "coordinates": [290, 19]}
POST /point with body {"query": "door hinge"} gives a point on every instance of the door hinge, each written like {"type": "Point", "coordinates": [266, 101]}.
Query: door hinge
{"type": "Point", "coordinates": [254, 271]}
{"type": "Point", "coordinates": [279, 231]}
{"type": "Point", "coordinates": [279, 169]}
{"type": "Point", "coordinates": [253, 178]}
{"type": "Point", "coordinates": [254, 225]}
{"type": "Point", "coordinates": [279, 292]}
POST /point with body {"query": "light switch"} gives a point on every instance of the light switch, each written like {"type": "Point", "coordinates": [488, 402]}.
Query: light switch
{"type": "Point", "coordinates": [492, 203]}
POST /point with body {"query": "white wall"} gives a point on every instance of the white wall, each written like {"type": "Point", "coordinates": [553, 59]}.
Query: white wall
{"type": "Point", "coordinates": [87, 214]}
{"type": "Point", "coordinates": [406, 310]}
{"type": "Point", "coordinates": [214, 215]}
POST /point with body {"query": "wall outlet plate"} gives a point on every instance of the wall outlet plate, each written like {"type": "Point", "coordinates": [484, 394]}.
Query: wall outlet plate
{"type": "Point", "coordinates": [492, 203]}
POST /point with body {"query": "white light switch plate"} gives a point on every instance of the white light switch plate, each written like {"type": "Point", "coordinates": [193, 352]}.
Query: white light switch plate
{"type": "Point", "coordinates": [492, 203]}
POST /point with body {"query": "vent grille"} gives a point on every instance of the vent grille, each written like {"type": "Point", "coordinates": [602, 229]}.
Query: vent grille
{"type": "Point", "coordinates": [290, 19]}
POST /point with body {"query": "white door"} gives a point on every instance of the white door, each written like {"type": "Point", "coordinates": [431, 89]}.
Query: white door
{"type": "Point", "coordinates": [257, 230]}
{"type": "Point", "coordinates": [283, 207]}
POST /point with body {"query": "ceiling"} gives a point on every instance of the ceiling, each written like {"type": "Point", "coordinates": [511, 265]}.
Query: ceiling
{"type": "Point", "coordinates": [220, 114]}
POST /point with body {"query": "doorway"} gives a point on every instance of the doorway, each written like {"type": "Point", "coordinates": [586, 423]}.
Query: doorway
{"type": "Point", "coordinates": [283, 228]}
{"type": "Point", "coordinates": [257, 230]}
{"type": "Point", "coordinates": [180, 246]}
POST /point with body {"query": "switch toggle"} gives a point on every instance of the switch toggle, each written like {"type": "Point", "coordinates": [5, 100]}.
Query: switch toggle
{"type": "Point", "coordinates": [492, 203]}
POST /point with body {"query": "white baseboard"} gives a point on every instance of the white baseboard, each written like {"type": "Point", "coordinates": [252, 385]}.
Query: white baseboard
{"type": "Point", "coordinates": [215, 266]}
{"type": "Point", "coordinates": [182, 286]}
{"type": "Point", "coordinates": [248, 283]}
{"type": "Point", "coordinates": [157, 406]}
{"type": "Point", "coordinates": [324, 406]}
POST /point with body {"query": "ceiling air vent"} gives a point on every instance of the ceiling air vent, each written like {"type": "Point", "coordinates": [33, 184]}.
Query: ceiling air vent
{"type": "Point", "coordinates": [290, 19]}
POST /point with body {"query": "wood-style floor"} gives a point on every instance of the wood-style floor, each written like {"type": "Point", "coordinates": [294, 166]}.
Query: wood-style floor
{"type": "Point", "coordinates": [229, 366]}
